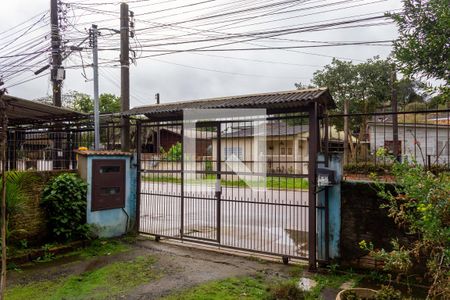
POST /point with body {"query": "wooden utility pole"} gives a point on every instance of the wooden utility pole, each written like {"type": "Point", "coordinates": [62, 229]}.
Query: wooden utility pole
{"type": "Point", "coordinates": [3, 141]}
{"type": "Point", "coordinates": [395, 141]}
{"type": "Point", "coordinates": [57, 73]}
{"type": "Point", "coordinates": [124, 75]}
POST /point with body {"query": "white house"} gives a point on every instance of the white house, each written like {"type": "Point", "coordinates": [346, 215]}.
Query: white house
{"type": "Point", "coordinates": [426, 143]}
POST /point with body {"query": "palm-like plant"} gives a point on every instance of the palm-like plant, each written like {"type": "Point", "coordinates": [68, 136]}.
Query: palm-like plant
{"type": "Point", "coordinates": [16, 183]}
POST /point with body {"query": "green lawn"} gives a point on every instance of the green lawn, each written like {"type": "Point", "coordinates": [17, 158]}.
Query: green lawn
{"type": "Point", "coordinates": [271, 182]}
{"type": "Point", "coordinates": [244, 288]}
{"type": "Point", "coordinates": [258, 288]}
{"type": "Point", "coordinates": [111, 281]}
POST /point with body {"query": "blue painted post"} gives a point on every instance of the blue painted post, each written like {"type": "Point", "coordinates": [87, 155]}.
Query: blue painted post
{"type": "Point", "coordinates": [334, 207]}
{"type": "Point", "coordinates": [334, 212]}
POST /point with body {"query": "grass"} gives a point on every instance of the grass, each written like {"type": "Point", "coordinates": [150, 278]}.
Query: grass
{"type": "Point", "coordinates": [331, 281]}
{"type": "Point", "coordinates": [102, 247]}
{"type": "Point", "coordinates": [244, 288]}
{"type": "Point", "coordinates": [110, 281]}
{"type": "Point", "coordinates": [271, 182]}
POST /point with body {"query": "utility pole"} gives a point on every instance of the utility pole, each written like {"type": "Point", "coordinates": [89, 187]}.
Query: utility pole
{"type": "Point", "coordinates": [124, 75]}
{"type": "Point", "coordinates": [396, 145]}
{"type": "Point", "coordinates": [94, 34]}
{"type": "Point", "coordinates": [57, 73]}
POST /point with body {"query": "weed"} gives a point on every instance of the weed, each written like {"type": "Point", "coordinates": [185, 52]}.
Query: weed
{"type": "Point", "coordinates": [286, 290]}
{"type": "Point", "coordinates": [48, 255]}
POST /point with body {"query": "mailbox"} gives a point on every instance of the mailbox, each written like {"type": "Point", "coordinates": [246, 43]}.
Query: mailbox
{"type": "Point", "coordinates": [326, 177]}
{"type": "Point", "coordinates": [108, 184]}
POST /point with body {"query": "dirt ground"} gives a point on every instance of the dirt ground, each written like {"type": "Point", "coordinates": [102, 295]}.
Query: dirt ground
{"type": "Point", "coordinates": [181, 267]}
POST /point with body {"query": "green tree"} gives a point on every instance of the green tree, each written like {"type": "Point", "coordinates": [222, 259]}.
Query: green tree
{"type": "Point", "coordinates": [422, 47]}
{"type": "Point", "coordinates": [362, 88]}
{"type": "Point", "coordinates": [109, 103]}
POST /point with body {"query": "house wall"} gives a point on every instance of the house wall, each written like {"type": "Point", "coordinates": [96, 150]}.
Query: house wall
{"type": "Point", "coordinates": [432, 141]}
{"type": "Point", "coordinates": [276, 162]}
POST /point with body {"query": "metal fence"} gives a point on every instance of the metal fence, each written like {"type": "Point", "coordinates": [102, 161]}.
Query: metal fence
{"type": "Point", "coordinates": [420, 136]}
{"type": "Point", "coordinates": [45, 147]}
{"type": "Point", "coordinates": [228, 193]}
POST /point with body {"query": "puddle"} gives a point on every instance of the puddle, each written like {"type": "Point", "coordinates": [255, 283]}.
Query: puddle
{"type": "Point", "coordinates": [300, 239]}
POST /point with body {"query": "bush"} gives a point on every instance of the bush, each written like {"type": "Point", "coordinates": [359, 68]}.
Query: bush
{"type": "Point", "coordinates": [421, 204]}
{"type": "Point", "coordinates": [175, 152]}
{"type": "Point", "coordinates": [368, 168]}
{"type": "Point", "coordinates": [64, 200]}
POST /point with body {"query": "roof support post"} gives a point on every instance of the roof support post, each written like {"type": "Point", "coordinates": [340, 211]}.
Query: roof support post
{"type": "Point", "coordinates": [312, 182]}
{"type": "Point", "coordinates": [3, 147]}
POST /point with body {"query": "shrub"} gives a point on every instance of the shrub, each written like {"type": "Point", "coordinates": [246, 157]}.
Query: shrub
{"type": "Point", "coordinates": [175, 152]}
{"type": "Point", "coordinates": [421, 204]}
{"type": "Point", "coordinates": [64, 200]}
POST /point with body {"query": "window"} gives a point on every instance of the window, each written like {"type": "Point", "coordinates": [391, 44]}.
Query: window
{"type": "Point", "coordinates": [283, 151]}
{"type": "Point", "coordinates": [236, 151]}
{"type": "Point", "coordinates": [289, 151]}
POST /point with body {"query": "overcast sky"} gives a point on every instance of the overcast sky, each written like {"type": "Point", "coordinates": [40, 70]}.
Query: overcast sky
{"type": "Point", "coordinates": [194, 75]}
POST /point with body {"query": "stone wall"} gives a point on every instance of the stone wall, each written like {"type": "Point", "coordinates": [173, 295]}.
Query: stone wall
{"type": "Point", "coordinates": [31, 223]}
{"type": "Point", "coordinates": [363, 219]}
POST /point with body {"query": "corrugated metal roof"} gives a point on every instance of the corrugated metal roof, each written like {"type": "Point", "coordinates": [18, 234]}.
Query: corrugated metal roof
{"type": "Point", "coordinates": [20, 111]}
{"type": "Point", "coordinates": [275, 102]}
{"type": "Point", "coordinates": [102, 153]}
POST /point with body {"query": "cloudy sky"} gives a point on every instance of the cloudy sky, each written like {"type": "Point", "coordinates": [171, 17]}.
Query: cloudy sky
{"type": "Point", "coordinates": [168, 32]}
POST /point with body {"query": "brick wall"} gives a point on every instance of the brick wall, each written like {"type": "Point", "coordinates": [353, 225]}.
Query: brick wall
{"type": "Point", "coordinates": [30, 223]}
{"type": "Point", "coordinates": [363, 219]}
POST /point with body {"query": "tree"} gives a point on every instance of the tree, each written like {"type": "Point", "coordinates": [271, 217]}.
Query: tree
{"type": "Point", "coordinates": [357, 88]}
{"type": "Point", "coordinates": [109, 103]}
{"type": "Point", "coordinates": [422, 47]}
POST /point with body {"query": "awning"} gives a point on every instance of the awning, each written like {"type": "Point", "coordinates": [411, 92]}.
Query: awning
{"type": "Point", "coordinates": [275, 102]}
{"type": "Point", "coordinates": [21, 111]}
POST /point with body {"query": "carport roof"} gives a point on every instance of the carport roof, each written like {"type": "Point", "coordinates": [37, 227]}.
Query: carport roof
{"type": "Point", "coordinates": [25, 111]}
{"type": "Point", "coordinates": [275, 102]}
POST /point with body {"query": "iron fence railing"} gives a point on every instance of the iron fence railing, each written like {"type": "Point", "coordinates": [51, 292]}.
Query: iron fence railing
{"type": "Point", "coordinates": [51, 146]}
{"type": "Point", "coordinates": [419, 136]}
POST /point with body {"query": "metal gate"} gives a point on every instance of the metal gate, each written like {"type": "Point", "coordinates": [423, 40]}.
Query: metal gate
{"type": "Point", "coordinates": [209, 202]}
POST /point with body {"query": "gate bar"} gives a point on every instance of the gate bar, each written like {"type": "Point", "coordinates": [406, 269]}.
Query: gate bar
{"type": "Point", "coordinates": [182, 182]}
{"type": "Point", "coordinates": [218, 180]}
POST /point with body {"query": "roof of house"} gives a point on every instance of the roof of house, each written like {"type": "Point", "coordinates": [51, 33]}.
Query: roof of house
{"type": "Point", "coordinates": [19, 110]}
{"type": "Point", "coordinates": [275, 102]}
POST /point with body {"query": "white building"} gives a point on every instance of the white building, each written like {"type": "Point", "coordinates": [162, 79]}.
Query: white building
{"type": "Point", "coordinates": [427, 143]}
